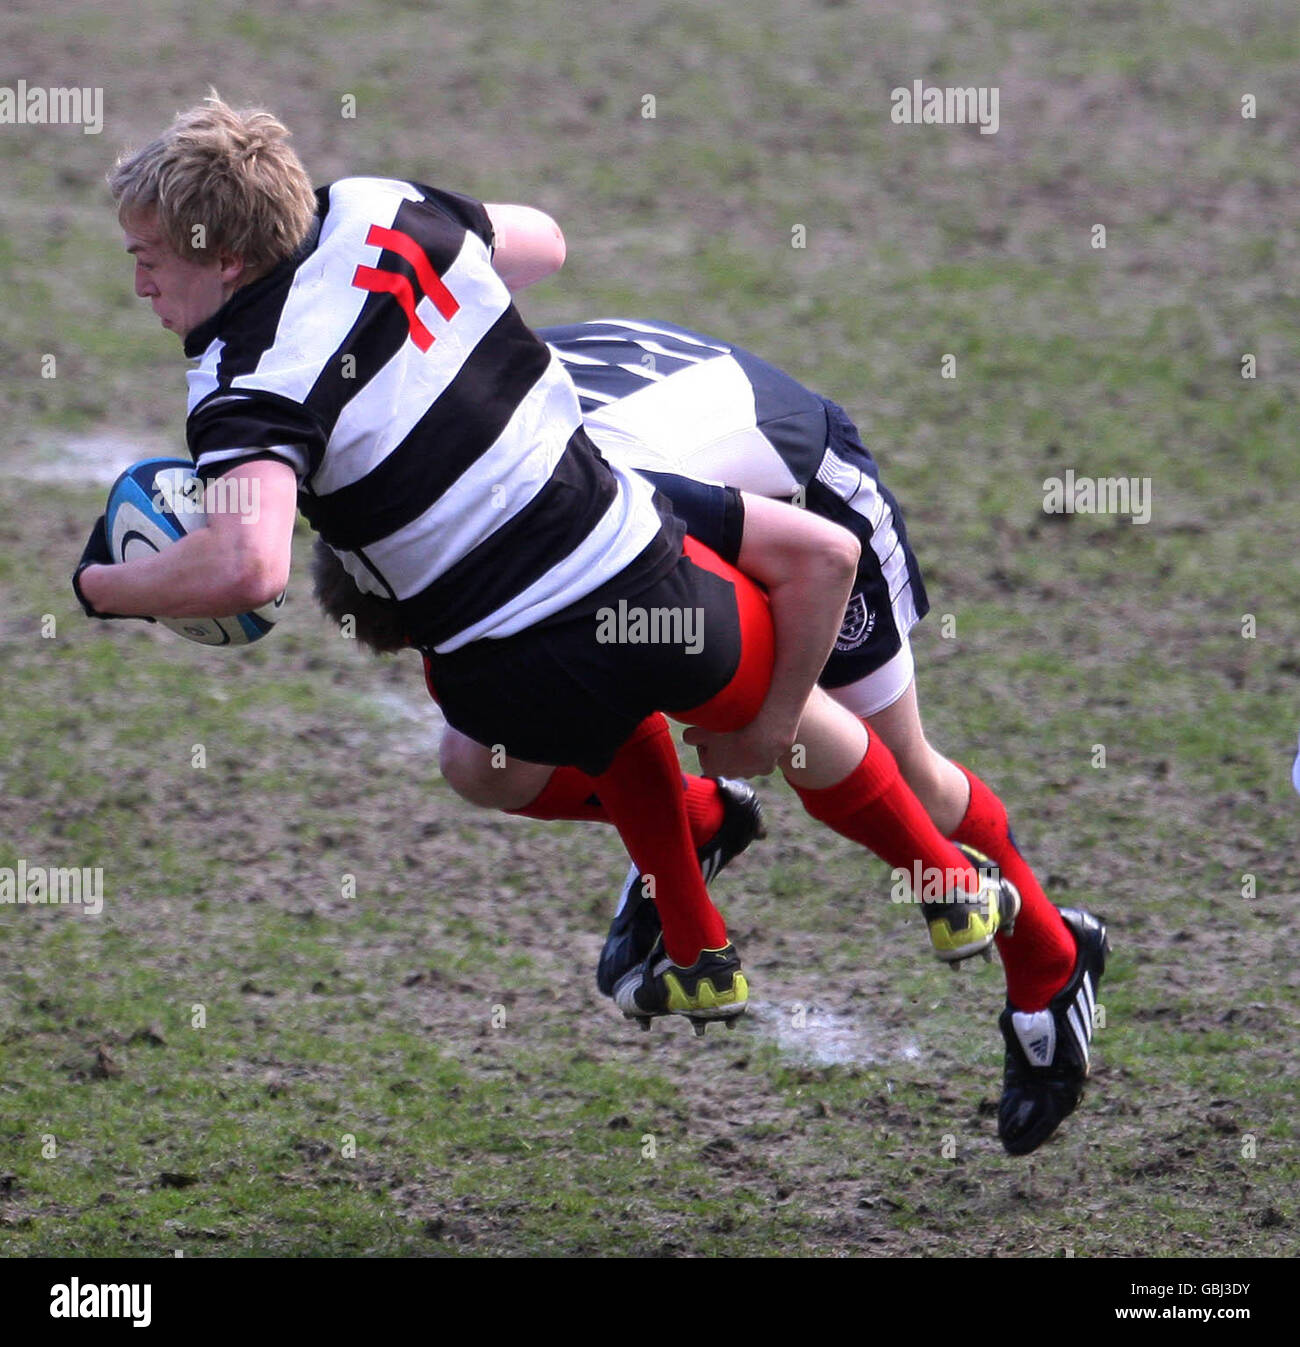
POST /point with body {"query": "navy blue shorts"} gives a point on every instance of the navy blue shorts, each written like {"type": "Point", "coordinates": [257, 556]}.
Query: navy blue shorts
{"type": "Point", "coordinates": [888, 597]}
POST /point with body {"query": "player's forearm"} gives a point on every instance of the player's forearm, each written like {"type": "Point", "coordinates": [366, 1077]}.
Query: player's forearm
{"type": "Point", "coordinates": [807, 612]}
{"type": "Point", "coordinates": [804, 634]}
{"type": "Point", "coordinates": [210, 573]}
{"type": "Point", "coordinates": [808, 565]}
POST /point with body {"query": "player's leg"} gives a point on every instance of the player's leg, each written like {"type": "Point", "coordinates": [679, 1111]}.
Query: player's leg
{"type": "Point", "coordinates": [532, 695]}
{"type": "Point", "coordinates": [737, 621]}
{"type": "Point", "coordinates": [872, 658]}
{"type": "Point", "coordinates": [725, 816]}
{"type": "Point", "coordinates": [491, 779]}
{"type": "Point", "coordinates": [1038, 953]}
{"type": "Point", "coordinates": [641, 791]}
{"type": "Point", "coordinates": [1053, 959]}
{"type": "Point", "coordinates": [849, 780]}
{"type": "Point", "coordinates": [939, 784]}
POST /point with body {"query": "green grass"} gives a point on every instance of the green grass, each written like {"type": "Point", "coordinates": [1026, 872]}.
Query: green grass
{"type": "Point", "coordinates": [437, 1008]}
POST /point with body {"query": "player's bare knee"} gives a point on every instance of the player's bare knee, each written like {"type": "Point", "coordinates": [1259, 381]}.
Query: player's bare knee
{"type": "Point", "coordinates": [467, 768]}
{"type": "Point", "coordinates": [486, 776]}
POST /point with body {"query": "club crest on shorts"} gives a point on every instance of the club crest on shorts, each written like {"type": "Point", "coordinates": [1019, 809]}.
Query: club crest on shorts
{"type": "Point", "coordinates": [859, 623]}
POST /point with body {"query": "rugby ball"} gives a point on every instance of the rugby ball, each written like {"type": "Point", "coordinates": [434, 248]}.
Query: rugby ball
{"type": "Point", "coordinates": [155, 503]}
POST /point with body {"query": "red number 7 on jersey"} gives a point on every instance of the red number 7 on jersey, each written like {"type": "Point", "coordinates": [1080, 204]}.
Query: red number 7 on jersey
{"type": "Point", "coordinates": [395, 284]}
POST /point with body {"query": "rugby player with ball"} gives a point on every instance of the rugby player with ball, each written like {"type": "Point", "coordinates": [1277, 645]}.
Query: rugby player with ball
{"type": "Point", "coordinates": [360, 358]}
{"type": "Point", "coordinates": [683, 408]}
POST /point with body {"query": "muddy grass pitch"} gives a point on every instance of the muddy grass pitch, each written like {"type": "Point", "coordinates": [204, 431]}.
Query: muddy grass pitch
{"type": "Point", "coordinates": [328, 1009]}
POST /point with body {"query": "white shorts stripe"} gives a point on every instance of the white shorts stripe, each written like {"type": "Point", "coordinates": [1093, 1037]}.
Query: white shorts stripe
{"type": "Point", "coordinates": [853, 486]}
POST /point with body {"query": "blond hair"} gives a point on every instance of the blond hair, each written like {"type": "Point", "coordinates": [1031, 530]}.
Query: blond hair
{"type": "Point", "coordinates": [220, 181]}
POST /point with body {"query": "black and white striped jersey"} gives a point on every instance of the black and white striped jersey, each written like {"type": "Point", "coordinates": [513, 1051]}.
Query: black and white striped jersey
{"type": "Point", "coordinates": [438, 443]}
{"type": "Point", "coordinates": [662, 398]}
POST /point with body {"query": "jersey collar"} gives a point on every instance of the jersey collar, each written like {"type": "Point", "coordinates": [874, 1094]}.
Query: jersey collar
{"type": "Point", "coordinates": [247, 296]}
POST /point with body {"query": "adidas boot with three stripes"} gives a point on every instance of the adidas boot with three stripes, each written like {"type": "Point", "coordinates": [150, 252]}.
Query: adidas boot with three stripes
{"type": "Point", "coordinates": [1047, 1050]}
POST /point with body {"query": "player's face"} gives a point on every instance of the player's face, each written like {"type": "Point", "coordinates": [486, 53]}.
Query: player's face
{"type": "Point", "coordinates": [184, 293]}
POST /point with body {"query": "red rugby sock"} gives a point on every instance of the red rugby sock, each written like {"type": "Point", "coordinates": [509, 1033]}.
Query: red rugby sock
{"type": "Point", "coordinates": [571, 794]}
{"type": "Point", "coordinates": [1039, 957]}
{"type": "Point", "coordinates": [568, 794]}
{"type": "Point", "coordinates": [876, 808]}
{"type": "Point", "coordinates": [641, 792]}
{"type": "Point", "coordinates": [703, 807]}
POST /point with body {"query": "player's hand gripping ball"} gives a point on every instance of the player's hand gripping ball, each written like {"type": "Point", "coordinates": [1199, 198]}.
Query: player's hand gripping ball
{"type": "Point", "coordinates": [154, 504]}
